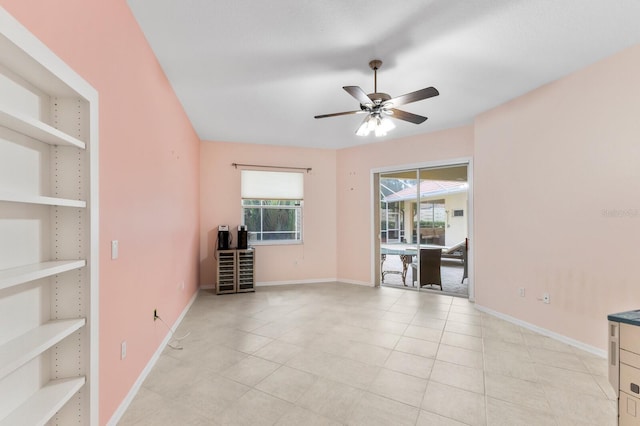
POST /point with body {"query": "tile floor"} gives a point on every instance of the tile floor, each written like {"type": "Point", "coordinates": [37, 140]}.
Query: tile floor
{"type": "Point", "coordinates": [331, 354]}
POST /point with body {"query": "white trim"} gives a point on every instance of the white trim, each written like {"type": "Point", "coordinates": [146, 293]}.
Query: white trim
{"type": "Point", "coordinates": [291, 282]}
{"type": "Point", "coordinates": [471, 289]}
{"type": "Point", "coordinates": [430, 164]}
{"type": "Point", "coordinates": [93, 262]}
{"type": "Point", "coordinates": [266, 243]}
{"type": "Point", "coordinates": [356, 282]}
{"type": "Point", "coordinates": [122, 408]}
{"type": "Point", "coordinates": [564, 339]}
{"type": "Point", "coordinates": [375, 237]}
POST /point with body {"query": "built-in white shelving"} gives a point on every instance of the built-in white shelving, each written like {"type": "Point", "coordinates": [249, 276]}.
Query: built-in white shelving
{"type": "Point", "coordinates": [45, 201]}
{"type": "Point", "coordinates": [43, 404]}
{"type": "Point", "coordinates": [17, 352]}
{"type": "Point", "coordinates": [23, 274]}
{"type": "Point", "coordinates": [49, 242]}
{"type": "Point", "coordinates": [36, 129]}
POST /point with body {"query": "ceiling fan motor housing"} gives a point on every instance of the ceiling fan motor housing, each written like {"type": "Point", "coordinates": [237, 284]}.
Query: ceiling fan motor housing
{"type": "Point", "coordinates": [379, 97]}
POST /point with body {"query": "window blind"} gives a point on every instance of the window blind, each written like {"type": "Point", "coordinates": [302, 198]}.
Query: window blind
{"type": "Point", "coordinates": [264, 185]}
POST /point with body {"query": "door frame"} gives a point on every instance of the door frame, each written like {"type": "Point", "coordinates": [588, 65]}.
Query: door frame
{"type": "Point", "coordinates": [375, 213]}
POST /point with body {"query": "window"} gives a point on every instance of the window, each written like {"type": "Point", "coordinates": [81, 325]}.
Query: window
{"type": "Point", "coordinates": [273, 220]}
{"type": "Point", "coordinates": [272, 206]}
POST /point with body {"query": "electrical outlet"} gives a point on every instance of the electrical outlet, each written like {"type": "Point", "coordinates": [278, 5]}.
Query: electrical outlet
{"type": "Point", "coordinates": [181, 285]}
{"type": "Point", "coordinates": [521, 291]}
{"type": "Point", "coordinates": [123, 349]}
{"type": "Point", "coordinates": [546, 298]}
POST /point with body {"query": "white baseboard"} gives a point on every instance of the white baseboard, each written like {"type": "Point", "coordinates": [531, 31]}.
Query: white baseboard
{"type": "Point", "coordinates": [290, 282]}
{"type": "Point", "coordinates": [564, 339]}
{"type": "Point", "coordinates": [122, 408]}
{"type": "Point", "coordinates": [363, 283]}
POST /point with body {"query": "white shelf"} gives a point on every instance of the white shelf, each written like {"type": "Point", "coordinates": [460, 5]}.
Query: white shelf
{"type": "Point", "coordinates": [24, 348]}
{"type": "Point", "coordinates": [39, 199]}
{"type": "Point", "coordinates": [22, 63]}
{"type": "Point", "coordinates": [23, 274]}
{"type": "Point", "coordinates": [51, 109]}
{"type": "Point", "coordinates": [36, 129]}
{"type": "Point", "coordinates": [44, 404]}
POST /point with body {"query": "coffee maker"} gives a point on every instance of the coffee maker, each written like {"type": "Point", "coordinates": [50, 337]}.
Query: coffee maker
{"type": "Point", "coordinates": [243, 237]}
{"type": "Point", "coordinates": [224, 237]}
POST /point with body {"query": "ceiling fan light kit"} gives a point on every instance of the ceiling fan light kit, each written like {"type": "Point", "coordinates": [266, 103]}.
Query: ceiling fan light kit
{"type": "Point", "coordinates": [379, 125]}
{"type": "Point", "coordinates": [380, 106]}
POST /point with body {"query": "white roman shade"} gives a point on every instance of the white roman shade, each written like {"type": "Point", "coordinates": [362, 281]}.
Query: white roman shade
{"type": "Point", "coordinates": [261, 185]}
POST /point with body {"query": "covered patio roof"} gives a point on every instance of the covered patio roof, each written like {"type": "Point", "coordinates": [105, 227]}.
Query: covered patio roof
{"type": "Point", "coordinates": [428, 189]}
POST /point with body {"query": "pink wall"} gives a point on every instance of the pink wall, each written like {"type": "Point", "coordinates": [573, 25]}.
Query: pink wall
{"type": "Point", "coordinates": [354, 190]}
{"type": "Point", "coordinates": [315, 260]}
{"type": "Point", "coordinates": [552, 168]}
{"type": "Point", "coordinates": [546, 167]}
{"type": "Point", "coordinates": [148, 179]}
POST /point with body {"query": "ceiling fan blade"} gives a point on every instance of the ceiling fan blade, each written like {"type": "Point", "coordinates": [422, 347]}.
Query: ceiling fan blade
{"type": "Point", "coordinates": [335, 114]}
{"type": "Point", "coordinates": [418, 95]}
{"type": "Point", "coordinates": [407, 116]}
{"type": "Point", "coordinates": [359, 94]}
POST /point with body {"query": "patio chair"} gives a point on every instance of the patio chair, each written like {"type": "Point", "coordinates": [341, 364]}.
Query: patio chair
{"type": "Point", "coordinates": [406, 260]}
{"type": "Point", "coordinates": [430, 260]}
{"type": "Point", "coordinates": [456, 252]}
{"type": "Point", "coordinates": [465, 273]}
{"type": "Point", "coordinates": [459, 251]}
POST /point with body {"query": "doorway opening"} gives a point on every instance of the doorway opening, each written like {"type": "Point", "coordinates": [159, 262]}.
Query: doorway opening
{"type": "Point", "coordinates": [422, 223]}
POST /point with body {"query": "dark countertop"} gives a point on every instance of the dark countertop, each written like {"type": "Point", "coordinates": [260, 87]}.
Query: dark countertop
{"type": "Point", "coordinates": [629, 317]}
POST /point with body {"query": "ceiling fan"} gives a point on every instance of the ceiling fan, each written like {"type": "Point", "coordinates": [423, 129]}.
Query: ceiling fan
{"type": "Point", "coordinates": [380, 106]}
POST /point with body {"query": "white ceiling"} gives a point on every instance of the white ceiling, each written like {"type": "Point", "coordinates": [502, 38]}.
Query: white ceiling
{"type": "Point", "coordinates": [258, 71]}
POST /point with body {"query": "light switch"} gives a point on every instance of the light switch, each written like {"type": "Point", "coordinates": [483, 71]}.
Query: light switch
{"type": "Point", "coordinates": [114, 249]}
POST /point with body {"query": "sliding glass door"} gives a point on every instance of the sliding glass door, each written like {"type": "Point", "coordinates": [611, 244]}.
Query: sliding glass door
{"type": "Point", "coordinates": [397, 200]}
{"type": "Point", "coordinates": [422, 213]}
